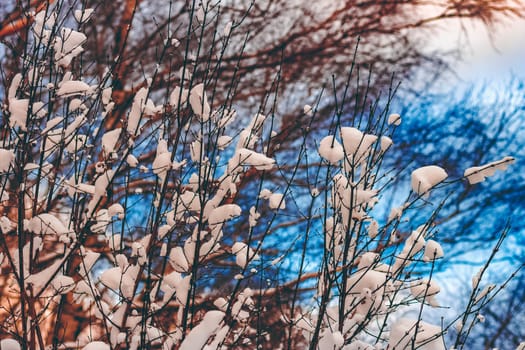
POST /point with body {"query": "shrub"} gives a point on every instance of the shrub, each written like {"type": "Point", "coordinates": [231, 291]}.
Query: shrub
{"type": "Point", "coordinates": [160, 222]}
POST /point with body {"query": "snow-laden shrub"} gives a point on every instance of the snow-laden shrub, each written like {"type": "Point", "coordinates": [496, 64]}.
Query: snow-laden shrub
{"type": "Point", "coordinates": [121, 218]}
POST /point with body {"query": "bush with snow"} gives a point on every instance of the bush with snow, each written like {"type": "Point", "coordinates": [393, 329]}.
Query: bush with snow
{"type": "Point", "coordinates": [121, 222]}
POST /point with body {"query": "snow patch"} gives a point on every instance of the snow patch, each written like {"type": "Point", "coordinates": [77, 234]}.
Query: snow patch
{"type": "Point", "coordinates": [427, 177]}
{"type": "Point", "coordinates": [478, 174]}
{"type": "Point", "coordinates": [331, 150]}
{"type": "Point", "coordinates": [403, 333]}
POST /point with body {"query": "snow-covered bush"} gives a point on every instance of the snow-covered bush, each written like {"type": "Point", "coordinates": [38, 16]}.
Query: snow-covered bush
{"type": "Point", "coordinates": [161, 220]}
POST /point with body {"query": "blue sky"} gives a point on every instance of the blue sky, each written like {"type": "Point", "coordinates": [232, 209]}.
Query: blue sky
{"type": "Point", "coordinates": [486, 55]}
